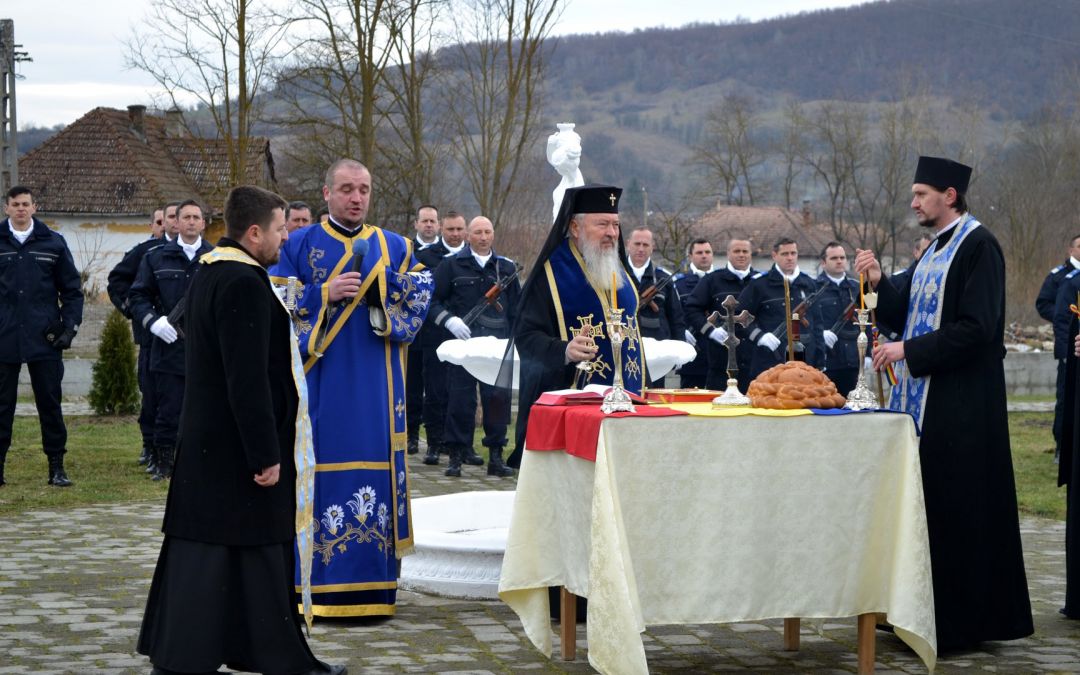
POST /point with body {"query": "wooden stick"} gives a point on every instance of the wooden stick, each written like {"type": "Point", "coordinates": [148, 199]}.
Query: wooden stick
{"type": "Point", "coordinates": [568, 623]}
{"type": "Point", "coordinates": [867, 626]}
{"type": "Point", "coordinates": [791, 635]}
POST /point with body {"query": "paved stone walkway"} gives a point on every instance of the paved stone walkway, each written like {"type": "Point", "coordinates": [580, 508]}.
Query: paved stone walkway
{"type": "Point", "coordinates": [73, 585]}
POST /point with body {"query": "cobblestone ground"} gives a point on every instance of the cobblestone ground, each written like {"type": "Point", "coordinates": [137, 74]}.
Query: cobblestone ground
{"type": "Point", "coordinates": [73, 585]}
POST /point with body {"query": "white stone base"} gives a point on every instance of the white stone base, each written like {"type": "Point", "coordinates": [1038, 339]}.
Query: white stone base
{"type": "Point", "coordinates": [459, 543]}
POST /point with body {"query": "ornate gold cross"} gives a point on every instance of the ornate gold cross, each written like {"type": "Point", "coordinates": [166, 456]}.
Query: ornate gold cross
{"type": "Point", "coordinates": [587, 328]}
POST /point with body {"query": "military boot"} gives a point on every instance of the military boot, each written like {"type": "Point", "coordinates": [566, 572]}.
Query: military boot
{"type": "Point", "coordinates": [57, 477]}
{"type": "Point", "coordinates": [413, 444]}
{"type": "Point", "coordinates": [496, 467]}
{"type": "Point", "coordinates": [431, 457]}
{"type": "Point", "coordinates": [454, 468]}
{"type": "Point", "coordinates": [3, 458]}
{"type": "Point", "coordinates": [164, 463]}
{"type": "Point", "coordinates": [470, 457]}
{"type": "Point", "coordinates": [152, 461]}
{"type": "Point", "coordinates": [144, 458]}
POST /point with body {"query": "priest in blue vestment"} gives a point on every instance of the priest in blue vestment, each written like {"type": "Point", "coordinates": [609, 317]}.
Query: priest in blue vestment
{"type": "Point", "coordinates": [363, 296]}
{"type": "Point", "coordinates": [561, 331]}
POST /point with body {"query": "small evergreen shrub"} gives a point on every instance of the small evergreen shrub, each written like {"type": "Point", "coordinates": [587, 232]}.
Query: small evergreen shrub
{"type": "Point", "coordinates": [115, 386]}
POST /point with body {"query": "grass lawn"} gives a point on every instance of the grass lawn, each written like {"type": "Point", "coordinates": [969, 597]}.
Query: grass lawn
{"type": "Point", "coordinates": [102, 453]}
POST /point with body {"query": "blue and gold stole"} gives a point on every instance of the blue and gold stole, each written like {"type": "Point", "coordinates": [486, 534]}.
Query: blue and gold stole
{"type": "Point", "coordinates": [303, 444]}
{"type": "Point", "coordinates": [582, 309]}
{"type": "Point", "coordinates": [924, 315]}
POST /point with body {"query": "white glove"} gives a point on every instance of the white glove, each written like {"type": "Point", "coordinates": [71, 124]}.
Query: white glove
{"type": "Point", "coordinates": [830, 338]}
{"type": "Point", "coordinates": [718, 334]}
{"type": "Point", "coordinates": [690, 338]}
{"type": "Point", "coordinates": [768, 341]}
{"type": "Point", "coordinates": [164, 330]}
{"type": "Point", "coordinates": [458, 328]}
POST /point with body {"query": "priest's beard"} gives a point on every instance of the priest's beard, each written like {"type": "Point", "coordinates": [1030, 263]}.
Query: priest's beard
{"type": "Point", "coordinates": [602, 267]}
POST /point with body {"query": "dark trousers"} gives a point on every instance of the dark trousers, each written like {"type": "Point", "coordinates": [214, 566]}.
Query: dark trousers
{"type": "Point", "coordinates": [692, 380]}
{"type": "Point", "coordinates": [845, 379]}
{"type": "Point", "coordinates": [461, 412]}
{"type": "Point", "coordinates": [148, 410]}
{"type": "Point", "coordinates": [170, 397]}
{"type": "Point", "coordinates": [45, 377]}
{"type": "Point", "coordinates": [414, 390]}
{"type": "Point", "coordinates": [717, 379]}
{"type": "Point", "coordinates": [434, 396]}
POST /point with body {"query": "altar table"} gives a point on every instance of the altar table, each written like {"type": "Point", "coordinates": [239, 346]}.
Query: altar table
{"type": "Point", "coordinates": [692, 519]}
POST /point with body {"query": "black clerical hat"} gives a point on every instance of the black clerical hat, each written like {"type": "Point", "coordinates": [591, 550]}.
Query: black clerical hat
{"type": "Point", "coordinates": [943, 173]}
{"type": "Point", "coordinates": [595, 199]}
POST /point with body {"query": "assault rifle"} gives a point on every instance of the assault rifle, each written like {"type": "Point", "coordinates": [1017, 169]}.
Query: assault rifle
{"type": "Point", "coordinates": [799, 311]}
{"type": "Point", "coordinates": [491, 298]}
{"type": "Point", "coordinates": [845, 317]}
{"type": "Point", "coordinates": [648, 295]}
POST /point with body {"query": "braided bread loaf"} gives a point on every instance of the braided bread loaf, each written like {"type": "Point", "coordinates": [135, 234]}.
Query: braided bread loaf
{"type": "Point", "coordinates": [794, 385]}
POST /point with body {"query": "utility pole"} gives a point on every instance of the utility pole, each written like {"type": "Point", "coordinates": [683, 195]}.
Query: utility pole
{"type": "Point", "coordinates": [9, 137]}
{"type": "Point", "coordinates": [644, 206]}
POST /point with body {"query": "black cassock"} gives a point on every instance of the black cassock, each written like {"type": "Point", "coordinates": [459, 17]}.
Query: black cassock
{"type": "Point", "coordinates": [223, 587]}
{"type": "Point", "coordinates": [1069, 474]}
{"type": "Point", "coordinates": [980, 588]}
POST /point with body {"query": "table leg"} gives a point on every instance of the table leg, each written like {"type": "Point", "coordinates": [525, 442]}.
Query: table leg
{"type": "Point", "coordinates": [867, 628]}
{"type": "Point", "coordinates": [791, 635]}
{"type": "Point", "coordinates": [568, 623]}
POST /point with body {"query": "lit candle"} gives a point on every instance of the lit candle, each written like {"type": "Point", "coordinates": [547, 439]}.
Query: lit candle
{"type": "Point", "coordinates": [862, 298]}
{"type": "Point", "coordinates": [614, 290]}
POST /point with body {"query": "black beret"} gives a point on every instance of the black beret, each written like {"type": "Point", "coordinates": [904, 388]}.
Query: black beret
{"type": "Point", "coordinates": [943, 173]}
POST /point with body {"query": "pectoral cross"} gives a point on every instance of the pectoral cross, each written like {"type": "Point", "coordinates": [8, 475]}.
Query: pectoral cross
{"type": "Point", "coordinates": [730, 318]}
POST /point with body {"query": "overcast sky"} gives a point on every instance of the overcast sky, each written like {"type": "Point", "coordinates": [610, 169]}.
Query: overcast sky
{"type": "Point", "coordinates": [77, 47]}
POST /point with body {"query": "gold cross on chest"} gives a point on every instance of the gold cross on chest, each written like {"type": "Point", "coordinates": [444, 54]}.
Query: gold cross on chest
{"type": "Point", "coordinates": [612, 198]}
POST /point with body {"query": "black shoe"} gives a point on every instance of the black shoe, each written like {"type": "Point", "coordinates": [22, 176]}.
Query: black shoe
{"type": "Point", "coordinates": [152, 461]}
{"type": "Point", "coordinates": [413, 446]}
{"type": "Point", "coordinates": [431, 457]}
{"type": "Point", "coordinates": [453, 470]}
{"type": "Point", "coordinates": [144, 458]}
{"type": "Point", "coordinates": [3, 459]}
{"type": "Point", "coordinates": [496, 467]}
{"type": "Point", "coordinates": [470, 457]}
{"type": "Point", "coordinates": [164, 467]}
{"type": "Point", "coordinates": [327, 669]}
{"type": "Point", "coordinates": [57, 476]}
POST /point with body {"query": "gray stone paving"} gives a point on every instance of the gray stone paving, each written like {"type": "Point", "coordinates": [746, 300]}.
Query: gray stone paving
{"type": "Point", "coordinates": [73, 584]}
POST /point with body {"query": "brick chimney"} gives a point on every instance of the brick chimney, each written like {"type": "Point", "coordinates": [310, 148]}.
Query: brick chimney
{"type": "Point", "coordinates": [174, 123]}
{"type": "Point", "coordinates": [137, 117]}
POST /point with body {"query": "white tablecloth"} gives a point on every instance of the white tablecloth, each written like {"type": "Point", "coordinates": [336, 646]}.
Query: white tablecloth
{"type": "Point", "coordinates": [703, 520]}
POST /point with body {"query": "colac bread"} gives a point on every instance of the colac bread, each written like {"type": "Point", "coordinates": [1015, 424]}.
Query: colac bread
{"type": "Point", "coordinates": [794, 385]}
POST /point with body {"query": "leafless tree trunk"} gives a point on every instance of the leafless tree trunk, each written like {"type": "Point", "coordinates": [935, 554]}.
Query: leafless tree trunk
{"type": "Point", "coordinates": [216, 52]}
{"type": "Point", "coordinates": [729, 153]}
{"type": "Point", "coordinates": [495, 103]}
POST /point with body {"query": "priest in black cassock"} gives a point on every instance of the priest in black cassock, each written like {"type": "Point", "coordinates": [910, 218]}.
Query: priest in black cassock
{"type": "Point", "coordinates": [1069, 473]}
{"type": "Point", "coordinates": [564, 302]}
{"type": "Point", "coordinates": [952, 381]}
{"type": "Point", "coordinates": [222, 591]}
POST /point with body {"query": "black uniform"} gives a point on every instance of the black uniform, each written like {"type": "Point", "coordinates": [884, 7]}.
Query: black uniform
{"type": "Point", "coordinates": [764, 298]}
{"type": "Point", "coordinates": [661, 319]}
{"type": "Point", "coordinates": [42, 301]}
{"type": "Point", "coordinates": [706, 299]}
{"type": "Point", "coordinates": [695, 373]}
{"type": "Point", "coordinates": [121, 279]}
{"type": "Point", "coordinates": [460, 284]}
{"type": "Point", "coordinates": [1045, 305]}
{"type": "Point", "coordinates": [164, 275]}
{"type": "Point", "coordinates": [223, 588]}
{"type": "Point", "coordinates": [841, 363]}
{"type": "Point", "coordinates": [416, 374]}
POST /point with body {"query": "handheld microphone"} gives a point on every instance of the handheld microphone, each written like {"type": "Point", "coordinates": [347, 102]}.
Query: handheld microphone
{"type": "Point", "coordinates": [359, 250]}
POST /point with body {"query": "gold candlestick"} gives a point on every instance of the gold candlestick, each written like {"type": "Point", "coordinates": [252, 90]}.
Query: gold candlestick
{"type": "Point", "coordinates": [616, 400]}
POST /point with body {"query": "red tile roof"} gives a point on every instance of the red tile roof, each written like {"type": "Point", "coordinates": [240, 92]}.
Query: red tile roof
{"type": "Point", "coordinates": [100, 165]}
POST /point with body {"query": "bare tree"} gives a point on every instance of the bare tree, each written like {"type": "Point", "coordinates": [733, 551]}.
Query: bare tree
{"type": "Point", "coordinates": [728, 152]}
{"type": "Point", "coordinates": [216, 52]}
{"type": "Point", "coordinates": [836, 152]}
{"type": "Point", "coordinates": [495, 97]}
{"type": "Point", "coordinates": [792, 147]}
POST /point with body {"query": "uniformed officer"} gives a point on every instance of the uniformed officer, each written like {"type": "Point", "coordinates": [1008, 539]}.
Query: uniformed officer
{"type": "Point", "coordinates": [429, 250]}
{"type": "Point", "coordinates": [764, 298]}
{"type": "Point", "coordinates": [461, 283]}
{"type": "Point", "coordinates": [452, 230]}
{"type": "Point", "coordinates": [700, 254]}
{"type": "Point", "coordinates": [42, 300]}
{"type": "Point", "coordinates": [707, 298]}
{"type": "Point", "coordinates": [164, 275]}
{"type": "Point", "coordinates": [1045, 304]}
{"type": "Point", "coordinates": [119, 287]}
{"type": "Point", "coordinates": [840, 353]}
{"type": "Point", "coordinates": [297, 215]}
{"type": "Point", "coordinates": [659, 317]}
